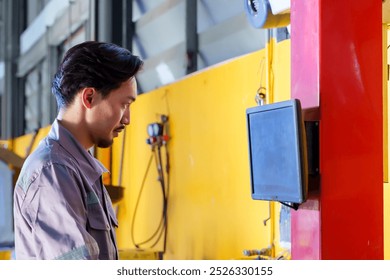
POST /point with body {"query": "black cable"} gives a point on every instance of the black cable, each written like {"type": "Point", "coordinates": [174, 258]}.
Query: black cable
{"type": "Point", "coordinates": [154, 234]}
{"type": "Point", "coordinates": [292, 205]}
{"type": "Point", "coordinates": [138, 199]}
{"type": "Point", "coordinates": [164, 212]}
{"type": "Point", "coordinates": [162, 229]}
{"type": "Point", "coordinates": [159, 236]}
{"type": "Point", "coordinates": [162, 225]}
{"type": "Point", "coordinates": [167, 194]}
{"type": "Point", "coordinates": [159, 228]}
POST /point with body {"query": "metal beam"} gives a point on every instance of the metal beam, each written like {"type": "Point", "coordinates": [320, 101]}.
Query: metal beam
{"type": "Point", "coordinates": [103, 20]}
{"type": "Point", "coordinates": [115, 22]}
{"type": "Point", "coordinates": [191, 36]}
{"type": "Point", "coordinates": [128, 26]}
{"type": "Point", "coordinates": [12, 113]}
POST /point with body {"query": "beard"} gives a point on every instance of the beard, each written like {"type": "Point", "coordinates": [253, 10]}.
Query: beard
{"type": "Point", "coordinates": [104, 143]}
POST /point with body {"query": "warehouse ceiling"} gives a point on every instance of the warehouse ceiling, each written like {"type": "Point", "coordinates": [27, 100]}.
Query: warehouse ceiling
{"type": "Point", "coordinates": [162, 34]}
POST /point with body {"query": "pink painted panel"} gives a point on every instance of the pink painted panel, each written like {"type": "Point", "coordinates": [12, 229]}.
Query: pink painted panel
{"type": "Point", "coordinates": [305, 237]}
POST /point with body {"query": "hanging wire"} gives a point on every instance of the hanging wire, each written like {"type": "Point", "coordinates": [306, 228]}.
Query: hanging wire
{"type": "Point", "coordinates": [161, 225]}
{"type": "Point", "coordinates": [164, 183]}
{"type": "Point", "coordinates": [261, 91]}
{"type": "Point", "coordinates": [138, 199]}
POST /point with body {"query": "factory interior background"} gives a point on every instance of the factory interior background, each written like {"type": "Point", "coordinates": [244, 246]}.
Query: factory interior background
{"type": "Point", "coordinates": [206, 63]}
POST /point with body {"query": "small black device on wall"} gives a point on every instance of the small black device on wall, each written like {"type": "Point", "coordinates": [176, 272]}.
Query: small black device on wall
{"type": "Point", "coordinates": [278, 153]}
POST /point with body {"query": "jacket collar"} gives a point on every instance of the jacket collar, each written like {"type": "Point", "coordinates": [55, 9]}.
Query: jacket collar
{"type": "Point", "coordinates": [91, 168]}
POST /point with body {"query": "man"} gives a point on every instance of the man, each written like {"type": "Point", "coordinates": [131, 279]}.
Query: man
{"type": "Point", "coordinates": [61, 208]}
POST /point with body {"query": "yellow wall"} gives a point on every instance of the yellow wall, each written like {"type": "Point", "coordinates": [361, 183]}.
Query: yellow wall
{"type": "Point", "coordinates": [210, 213]}
{"type": "Point", "coordinates": [23, 144]}
{"type": "Point", "coordinates": [5, 255]}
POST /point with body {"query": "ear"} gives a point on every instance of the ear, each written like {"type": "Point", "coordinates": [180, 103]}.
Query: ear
{"type": "Point", "coordinates": [88, 95]}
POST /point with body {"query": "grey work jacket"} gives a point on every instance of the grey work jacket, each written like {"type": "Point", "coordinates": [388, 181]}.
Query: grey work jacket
{"type": "Point", "coordinates": [61, 208]}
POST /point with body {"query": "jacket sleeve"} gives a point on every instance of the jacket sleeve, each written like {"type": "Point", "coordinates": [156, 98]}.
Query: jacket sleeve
{"type": "Point", "coordinates": [54, 210]}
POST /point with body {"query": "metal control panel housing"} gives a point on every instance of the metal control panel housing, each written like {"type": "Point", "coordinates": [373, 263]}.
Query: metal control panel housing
{"type": "Point", "coordinates": [277, 152]}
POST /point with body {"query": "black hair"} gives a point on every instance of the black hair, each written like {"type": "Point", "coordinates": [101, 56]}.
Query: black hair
{"type": "Point", "coordinates": [103, 66]}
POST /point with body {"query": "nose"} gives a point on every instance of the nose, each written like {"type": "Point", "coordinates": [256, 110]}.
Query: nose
{"type": "Point", "coordinates": [126, 117]}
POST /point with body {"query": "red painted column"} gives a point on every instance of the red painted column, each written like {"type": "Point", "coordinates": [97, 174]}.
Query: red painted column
{"type": "Point", "coordinates": [336, 50]}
